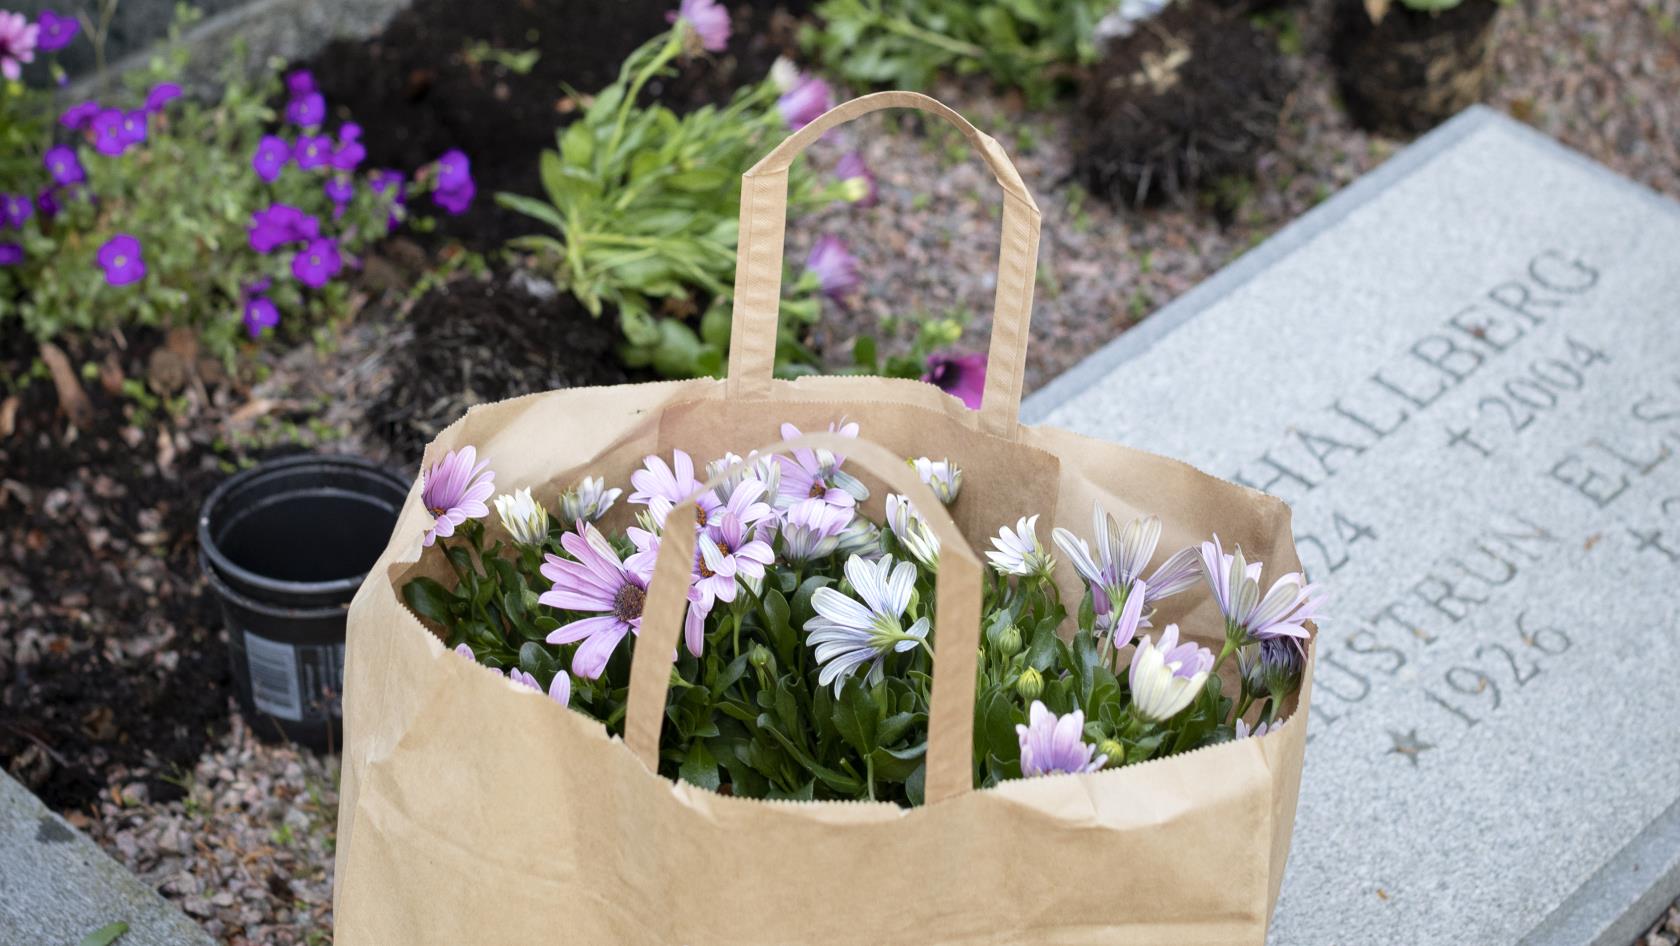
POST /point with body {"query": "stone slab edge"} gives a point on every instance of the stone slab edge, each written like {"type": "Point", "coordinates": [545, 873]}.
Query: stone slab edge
{"type": "Point", "coordinates": [57, 886]}
{"type": "Point", "coordinates": [285, 29]}
{"type": "Point", "coordinates": [1618, 902]}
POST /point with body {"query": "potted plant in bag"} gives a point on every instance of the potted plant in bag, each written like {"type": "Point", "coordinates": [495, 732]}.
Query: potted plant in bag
{"type": "Point", "coordinates": [1405, 67]}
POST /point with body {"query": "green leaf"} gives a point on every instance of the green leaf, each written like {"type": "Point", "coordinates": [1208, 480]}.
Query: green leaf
{"type": "Point", "coordinates": [700, 768]}
{"type": "Point", "coordinates": [863, 352]}
{"type": "Point", "coordinates": [105, 935]}
{"type": "Point", "coordinates": [531, 207]}
{"type": "Point", "coordinates": [897, 765]}
{"type": "Point", "coordinates": [577, 149]}
{"type": "Point", "coordinates": [856, 716]}
{"type": "Point", "coordinates": [429, 599]}
{"type": "Point", "coordinates": [777, 626]}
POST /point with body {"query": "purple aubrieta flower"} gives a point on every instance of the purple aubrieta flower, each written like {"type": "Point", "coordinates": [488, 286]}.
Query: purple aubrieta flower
{"type": "Point", "coordinates": [455, 188]}
{"type": "Point", "coordinates": [109, 137]}
{"type": "Point", "coordinates": [62, 164]}
{"type": "Point", "coordinates": [307, 110]}
{"type": "Point", "coordinates": [805, 102]}
{"type": "Point", "coordinates": [48, 202]}
{"type": "Point", "coordinates": [313, 151]}
{"type": "Point", "coordinates": [80, 116]}
{"type": "Point", "coordinates": [317, 263]}
{"type": "Point", "coordinates": [350, 152]}
{"type": "Point", "coordinates": [55, 31]}
{"type": "Point", "coordinates": [11, 254]}
{"type": "Point", "coordinates": [454, 490]}
{"type": "Point", "coordinates": [834, 266]}
{"type": "Point", "coordinates": [132, 126]}
{"type": "Point", "coordinates": [559, 689]}
{"type": "Point", "coordinates": [14, 210]}
{"type": "Point", "coordinates": [260, 313]}
{"type": "Point", "coordinates": [270, 158]}
{"type": "Point", "coordinates": [1051, 743]}
{"type": "Point", "coordinates": [393, 183]}
{"type": "Point", "coordinates": [852, 167]}
{"type": "Point", "coordinates": [595, 582]}
{"type": "Point", "coordinates": [300, 82]}
{"type": "Point", "coordinates": [120, 258]}
{"type": "Point", "coordinates": [281, 224]}
{"type": "Point", "coordinates": [17, 43]}
{"type": "Point", "coordinates": [709, 21]}
{"type": "Point", "coordinates": [340, 189]}
{"type": "Point", "coordinates": [161, 94]}
{"type": "Point", "coordinates": [962, 376]}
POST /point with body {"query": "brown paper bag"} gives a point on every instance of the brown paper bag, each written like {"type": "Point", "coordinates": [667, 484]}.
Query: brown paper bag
{"type": "Point", "coordinates": [476, 813]}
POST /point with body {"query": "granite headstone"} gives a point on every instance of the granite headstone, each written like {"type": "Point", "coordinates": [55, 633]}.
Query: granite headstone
{"type": "Point", "coordinates": [1463, 373]}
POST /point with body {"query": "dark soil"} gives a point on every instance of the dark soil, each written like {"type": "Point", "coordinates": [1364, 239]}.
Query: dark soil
{"type": "Point", "coordinates": [474, 342]}
{"type": "Point", "coordinates": [417, 91]}
{"type": "Point", "coordinates": [113, 665]}
{"type": "Point", "coordinates": [1412, 70]}
{"type": "Point", "coordinates": [1190, 98]}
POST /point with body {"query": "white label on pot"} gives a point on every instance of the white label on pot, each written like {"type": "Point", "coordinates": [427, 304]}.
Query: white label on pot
{"type": "Point", "coordinates": [274, 677]}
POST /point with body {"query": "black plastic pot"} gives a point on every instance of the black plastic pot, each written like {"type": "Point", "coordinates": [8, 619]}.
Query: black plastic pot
{"type": "Point", "coordinates": [284, 546]}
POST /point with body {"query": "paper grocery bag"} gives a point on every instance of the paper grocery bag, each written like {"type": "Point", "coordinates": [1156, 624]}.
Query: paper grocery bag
{"type": "Point", "coordinates": [472, 816]}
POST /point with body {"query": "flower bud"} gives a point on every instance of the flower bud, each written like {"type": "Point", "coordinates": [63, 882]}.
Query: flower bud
{"type": "Point", "coordinates": [761, 658]}
{"type": "Point", "coordinates": [1281, 664]}
{"type": "Point", "coordinates": [524, 518]}
{"type": "Point", "coordinates": [1252, 670]}
{"type": "Point", "coordinates": [1031, 684]}
{"type": "Point", "coordinates": [1009, 641]}
{"type": "Point", "coordinates": [1114, 750]}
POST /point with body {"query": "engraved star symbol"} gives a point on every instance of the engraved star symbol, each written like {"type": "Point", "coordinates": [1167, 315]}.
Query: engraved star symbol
{"type": "Point", "coordinates": [1408, 744]}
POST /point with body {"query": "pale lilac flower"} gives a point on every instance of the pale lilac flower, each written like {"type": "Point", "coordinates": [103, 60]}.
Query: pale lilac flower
{"type": "Point", "coordinates": [961, 376]}
{"type": "Point", "coordinates": [525, 519]}
{"type": "Point", "coordinates": [1166, 677]}
{"type": "Point", "coordinates": [803, 104]}
{"type": "Point", "coordinates": [560, 690]}
{"type": "Point", "coordinates": [913, 532]}
{"type": "Point", "coordinates": [62, 164]}
{"type": "Point", "coordinates": [707, 19]}
{"type": "Point", "coordinates": [941, 476]}
{"type": "Point", "coordinates": [834, 266]}
{"type": "Point", "coordinates": [454, 490]}
{"type": "Point", "coordinates": [462, 650]}
{"type": "Point", "coordinates": [661, 488]}
{"type": "Point", "coordinates": [1121, 556]}
{"type": "Point", "coordinates": [1235, 582]}
{"type": "Point", "coordinates": [862, 188]}
{"type": "Point", "coordinates": [736, 470]}
{"type": "Point", "coordinates": [587, 501]}
{"type": "Point", "coordinates": [1243, 732]}
{"type": "Point", "coordinates": [847, 634]}
{"type": "Point", "coordinates": [1052, 744]}
{"type": "Point", "coordinates": [17, 43]}
{"type": "Point", "coordinates": [729, 550]}
{"type": "Point", "coordinates": [1281, 665]}
{"type": "Point", "coordinates": [816, 474]}
{"type": "Point", "coordinates": [120, 258]}
{"type": "Point", "coordinates": [860, 537]}
{"type": "Point", "coordinates": [812, 530]}
{"type": "Point", "coordinates": [56, 31]}
{"type": "Point", "coordinates": [1019, 552]}
{"type": "Point", "coordinates": [595, 582]}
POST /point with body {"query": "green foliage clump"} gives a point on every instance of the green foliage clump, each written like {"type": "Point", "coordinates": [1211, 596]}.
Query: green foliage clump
{"type": "Point", "coordinates": [902, 44]}
{"type": "Point", "coordinates": [646, 205]}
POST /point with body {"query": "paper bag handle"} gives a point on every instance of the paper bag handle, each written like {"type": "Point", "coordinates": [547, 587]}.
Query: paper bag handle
{"type": "Point", "coordinates": [758, 262]}
{"type": "Point", "coordinates": [950, 765]}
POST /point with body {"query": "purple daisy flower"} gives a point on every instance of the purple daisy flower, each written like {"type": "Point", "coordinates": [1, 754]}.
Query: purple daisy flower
{"type": "Point", "coordinates": [816, 474]}
{"type": "Point", "coordinates": [300, 82]}
{"type": "Point", "coordinates": [56, 31]}
{"type": "Point", "coordinates": [316, 264]}
{"type": "Point", "coordinates": [11, 254]}
{"type": "Point", "coordinates": [109, 137]}
{"type": "Point", "coordinates": [161, 94]}
{"type": "Point", "coordinates": [14, 210]}
{"type": "Point", "coordinates": [1249, 616]}
{"type": "Point", "coordinates": [596, 582]}
{"type": "Point", "coordinates": [1055, 744]}
{"type": "Point", "coordinates": [80, 116]}
{"type": "Point", "coordinates": [454, 490]}
{"type": "Point", "coordinates": [17, 43]}
{"type": "Point", "coordinates": [1115, 572]}
{"type": "Point", "coordinates": [559, 690]}
{"type": "Point", "coordinates": [313, 151]}
{"type": "Point", "coordinates": [709, 21]}
{"type": "Point", "coordinates": [120, 258]}
{"type": "Point", "coordinates": [662, 488]}
{"type": "Point", "coordinates": [62, 164]}
{"type": "Point", "coordinates": [834, 266]}
{"type": "Point", "coordinates": [270, 158]}
{"type": "Point", "coordinates": [307, 110]}
{"type": "Point", "coordinates": [962, 376]}
{"type": "Point", "coordinates": [728, 550]}
{"type": "Point", "coordinates": [849, 633]}
{"type": "Point", "coordinates": [805, 102]}
{"type": "Point", "coordinates": [260, 313]}
{"type": "Point", "coordinates": [851, 168]}
{"type": "Point", "coordinates": [812, 530]}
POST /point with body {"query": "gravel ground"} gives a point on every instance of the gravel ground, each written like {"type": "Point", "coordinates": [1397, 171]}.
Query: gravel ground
{"type": "Point", "coordinates": [1664, 932]}
{"type": "Point", "coordinates": [248, 849]}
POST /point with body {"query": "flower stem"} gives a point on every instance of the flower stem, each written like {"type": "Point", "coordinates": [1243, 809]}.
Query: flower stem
{"type": "Point", "coordinates": [673, 45]}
